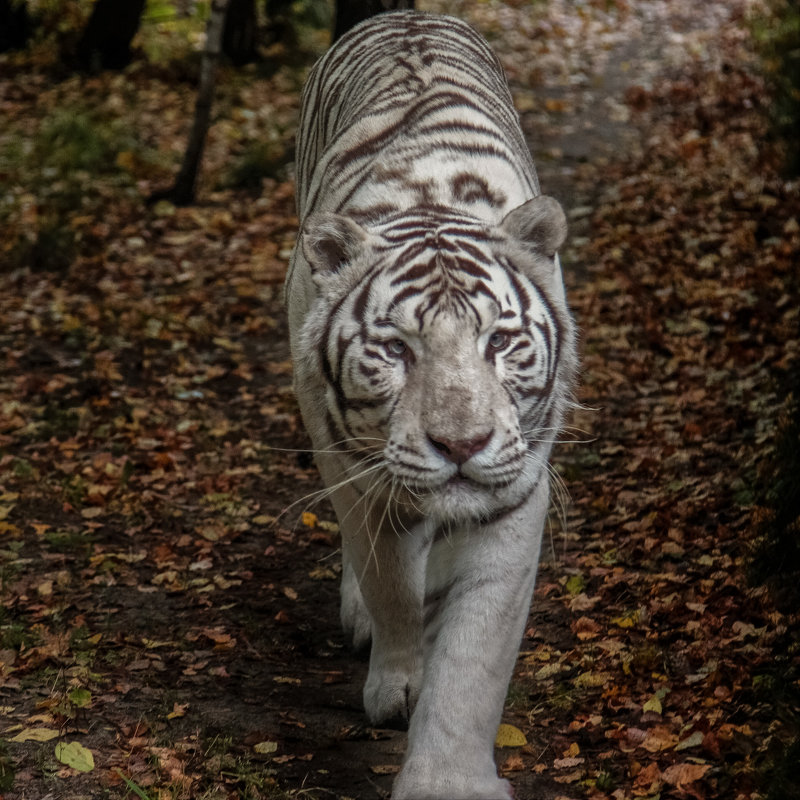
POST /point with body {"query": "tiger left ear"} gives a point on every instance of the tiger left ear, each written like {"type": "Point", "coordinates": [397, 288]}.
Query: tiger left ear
{"type": "Point", "coordinates": [330, 241]}
{"type": "Point", "coordinates": [539, 223]}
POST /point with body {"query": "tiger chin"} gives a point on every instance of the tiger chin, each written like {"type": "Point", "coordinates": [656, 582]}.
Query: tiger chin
{"type": "Point", "coordinates": [434, 358]}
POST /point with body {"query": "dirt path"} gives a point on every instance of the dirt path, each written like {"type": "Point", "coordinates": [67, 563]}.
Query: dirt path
{"type": "Point", "coordinates": [164, 609]}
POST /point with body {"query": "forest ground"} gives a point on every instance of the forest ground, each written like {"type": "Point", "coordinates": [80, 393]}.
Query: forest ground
{"type": "Point", "coordinates": [169, 621]}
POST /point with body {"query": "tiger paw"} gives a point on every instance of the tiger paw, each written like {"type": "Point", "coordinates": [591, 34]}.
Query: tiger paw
{"type": "Point", "coordinates": [390, 696]}
{"type": "Point", "coordinates": [417, 783]}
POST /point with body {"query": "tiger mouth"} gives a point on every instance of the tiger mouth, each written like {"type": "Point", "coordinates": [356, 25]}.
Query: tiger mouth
{"type": "Point", "coordinates": [459, 479]}
{"type": "Point", "coordinates": [455, 481]}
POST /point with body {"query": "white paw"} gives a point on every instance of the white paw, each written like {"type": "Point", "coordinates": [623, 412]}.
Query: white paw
{"type": "Point", "coordinates": [417, 783]}
{"type": "Point", "coordinates": [390, 694]}
{"type": "Point", "coordinates": [353, 612]}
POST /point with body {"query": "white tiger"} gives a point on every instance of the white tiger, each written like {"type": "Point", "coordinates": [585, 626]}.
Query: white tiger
{"type": "Point", "coordinates": [434, 355]}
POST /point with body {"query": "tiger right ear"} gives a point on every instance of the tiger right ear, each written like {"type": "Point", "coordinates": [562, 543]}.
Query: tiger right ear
{"type": "Point", "coordinates": [330, 241]}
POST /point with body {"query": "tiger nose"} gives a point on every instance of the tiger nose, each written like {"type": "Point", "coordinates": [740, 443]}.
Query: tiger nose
{"type": "Point", "coordinates": [461, 450]}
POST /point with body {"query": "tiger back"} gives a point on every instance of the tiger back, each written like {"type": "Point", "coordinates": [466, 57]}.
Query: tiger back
{"type": "Point", "coordinates": [434, 356]}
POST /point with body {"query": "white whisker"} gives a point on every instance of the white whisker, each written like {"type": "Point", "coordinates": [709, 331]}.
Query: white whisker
{"type": "Point", "coordinates": [319, 495]}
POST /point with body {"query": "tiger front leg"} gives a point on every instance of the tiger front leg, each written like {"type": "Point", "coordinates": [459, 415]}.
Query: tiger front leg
{"type": "Point", "coordinates": [355, 618]}
{"type": "Point", "coordinates": [386, 583]}
{"type": "Point", "coordinates": [478, 588]}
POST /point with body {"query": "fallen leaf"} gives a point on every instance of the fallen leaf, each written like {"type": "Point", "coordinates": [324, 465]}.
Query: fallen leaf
{"type": "Point", "coordinates": [693, 740]}
{"type": "Point", "coordinates": [681, 775]}
{"type": "Point", "coordinates": [653, 704]}
{"type": "Point", "coordinates": [34, 735]}
{"type": "Point", "coordinates": [178, 710]}
{"type": "Point", "coordinates": [309, 519]}
{"type": "Point", "coordinates": [80, 697]}
{"type": "Point", "coordinates": [509, 736]}
{"type": "Point", "coordinates": [513, 763]}
{"type": "Point", "coordinates": [385, 769]}
{"type": "Point", "coordinates": [75, 755]}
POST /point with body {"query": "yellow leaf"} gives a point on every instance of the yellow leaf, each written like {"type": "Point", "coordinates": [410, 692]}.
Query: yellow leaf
{"type": "Point", "coordinates": [509, 736]}
{"type": "Point", "coordinates": [178, 710]}
{"type": "Point", "coordinates": [35, 735]}
{"type": "Point", "coordinates": [152, 644]}
{"type": "Point", "coordinates": [309, 519]}
{"type": "Point", "coordinates": [8, 528]}
{"type": "Point", "coordinates": [575, 584]}
{"type": "Point", "coordinates": [322, 574]}
{"type": "Point", "coordinates": [626, 620]}
{"type": "Point", "coordinates": [385, 769]}
{"type": "Point", "coordinates": [587, 680]}
{"type": "Point", "coordinates": [653, 704]}
{"type": "Point", "coordinates": [547, 671]}
{"type": "Point", "coordinates": [265, 748]}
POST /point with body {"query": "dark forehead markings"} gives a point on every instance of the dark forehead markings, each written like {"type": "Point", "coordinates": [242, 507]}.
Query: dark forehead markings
{"type": "Point", "coordinates": [409, 291]}
{"type": "Point", "coordinates": [471, 268]}
{"type": "Point", "coordinates": [414, 272]}
{"type": "Point", "coordinates": [468, 188]}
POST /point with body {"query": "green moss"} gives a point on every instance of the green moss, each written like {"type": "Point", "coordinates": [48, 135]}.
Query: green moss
{"type": "Point", "coordinates": [777, 34]}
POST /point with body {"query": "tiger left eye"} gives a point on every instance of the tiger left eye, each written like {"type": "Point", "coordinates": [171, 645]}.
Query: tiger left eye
{"type": "Point", "coordinates": [498, 340]}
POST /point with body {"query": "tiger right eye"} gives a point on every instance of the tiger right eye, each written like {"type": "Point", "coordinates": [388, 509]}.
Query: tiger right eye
{"type": "Point", "coordinates": [396, 348]}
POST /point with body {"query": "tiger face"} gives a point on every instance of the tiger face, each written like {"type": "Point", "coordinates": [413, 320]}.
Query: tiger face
{"type": "Point", "coordinates": [444, 343]}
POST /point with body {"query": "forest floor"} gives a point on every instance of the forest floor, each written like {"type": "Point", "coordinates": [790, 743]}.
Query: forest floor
{"type": "Point", "coordinates": [169, 620]}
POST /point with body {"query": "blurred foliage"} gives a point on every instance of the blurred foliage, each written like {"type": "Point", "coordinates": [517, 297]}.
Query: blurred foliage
{"type": "Point", "coordinates": [172, 30]}
{"type": "Point", "coordinates": [777, 34]}
{"type": "Point", "coordinates": [260, 159]}
{"type": "Point", "coordinates": [58, 178]}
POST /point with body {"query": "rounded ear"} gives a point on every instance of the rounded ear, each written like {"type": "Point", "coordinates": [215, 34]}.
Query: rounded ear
{"type": "Point", "coordinates": [539, 223]}
{"type": "Point", "coordinates": [330, 241]}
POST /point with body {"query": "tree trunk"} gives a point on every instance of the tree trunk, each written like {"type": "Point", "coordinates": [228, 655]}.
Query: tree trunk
{"type": "Point", "coordinates": [241, 32]}
{"type": "Point", "coordinates": [183, 191]}
{"type": "Point", "coordinates": [106, 40]}
{"type": "Point", "coordinates": [350, 12]}
{"type": "Point", "coordinates": [15, 25]}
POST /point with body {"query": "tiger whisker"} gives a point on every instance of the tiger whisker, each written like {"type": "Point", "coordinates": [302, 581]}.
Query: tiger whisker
{"type": "Point", "coordinates": [557, 439]}
{"type": "Point", "coordinates": [319, 495]}
{"type": "Point", "coordinates": [372, 539]}
{"type": "Point", "coordinates": [332, 448]}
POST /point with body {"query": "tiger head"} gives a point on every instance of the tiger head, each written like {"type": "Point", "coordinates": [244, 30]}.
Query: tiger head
{"type": "Point", "coordinates": [447, 351]}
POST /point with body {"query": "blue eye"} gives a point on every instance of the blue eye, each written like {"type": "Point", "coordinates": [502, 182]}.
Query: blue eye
{"type": "Point", "coordinates": [396, 348]}
{"type": "Point", "coordinates": [499, 340]}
